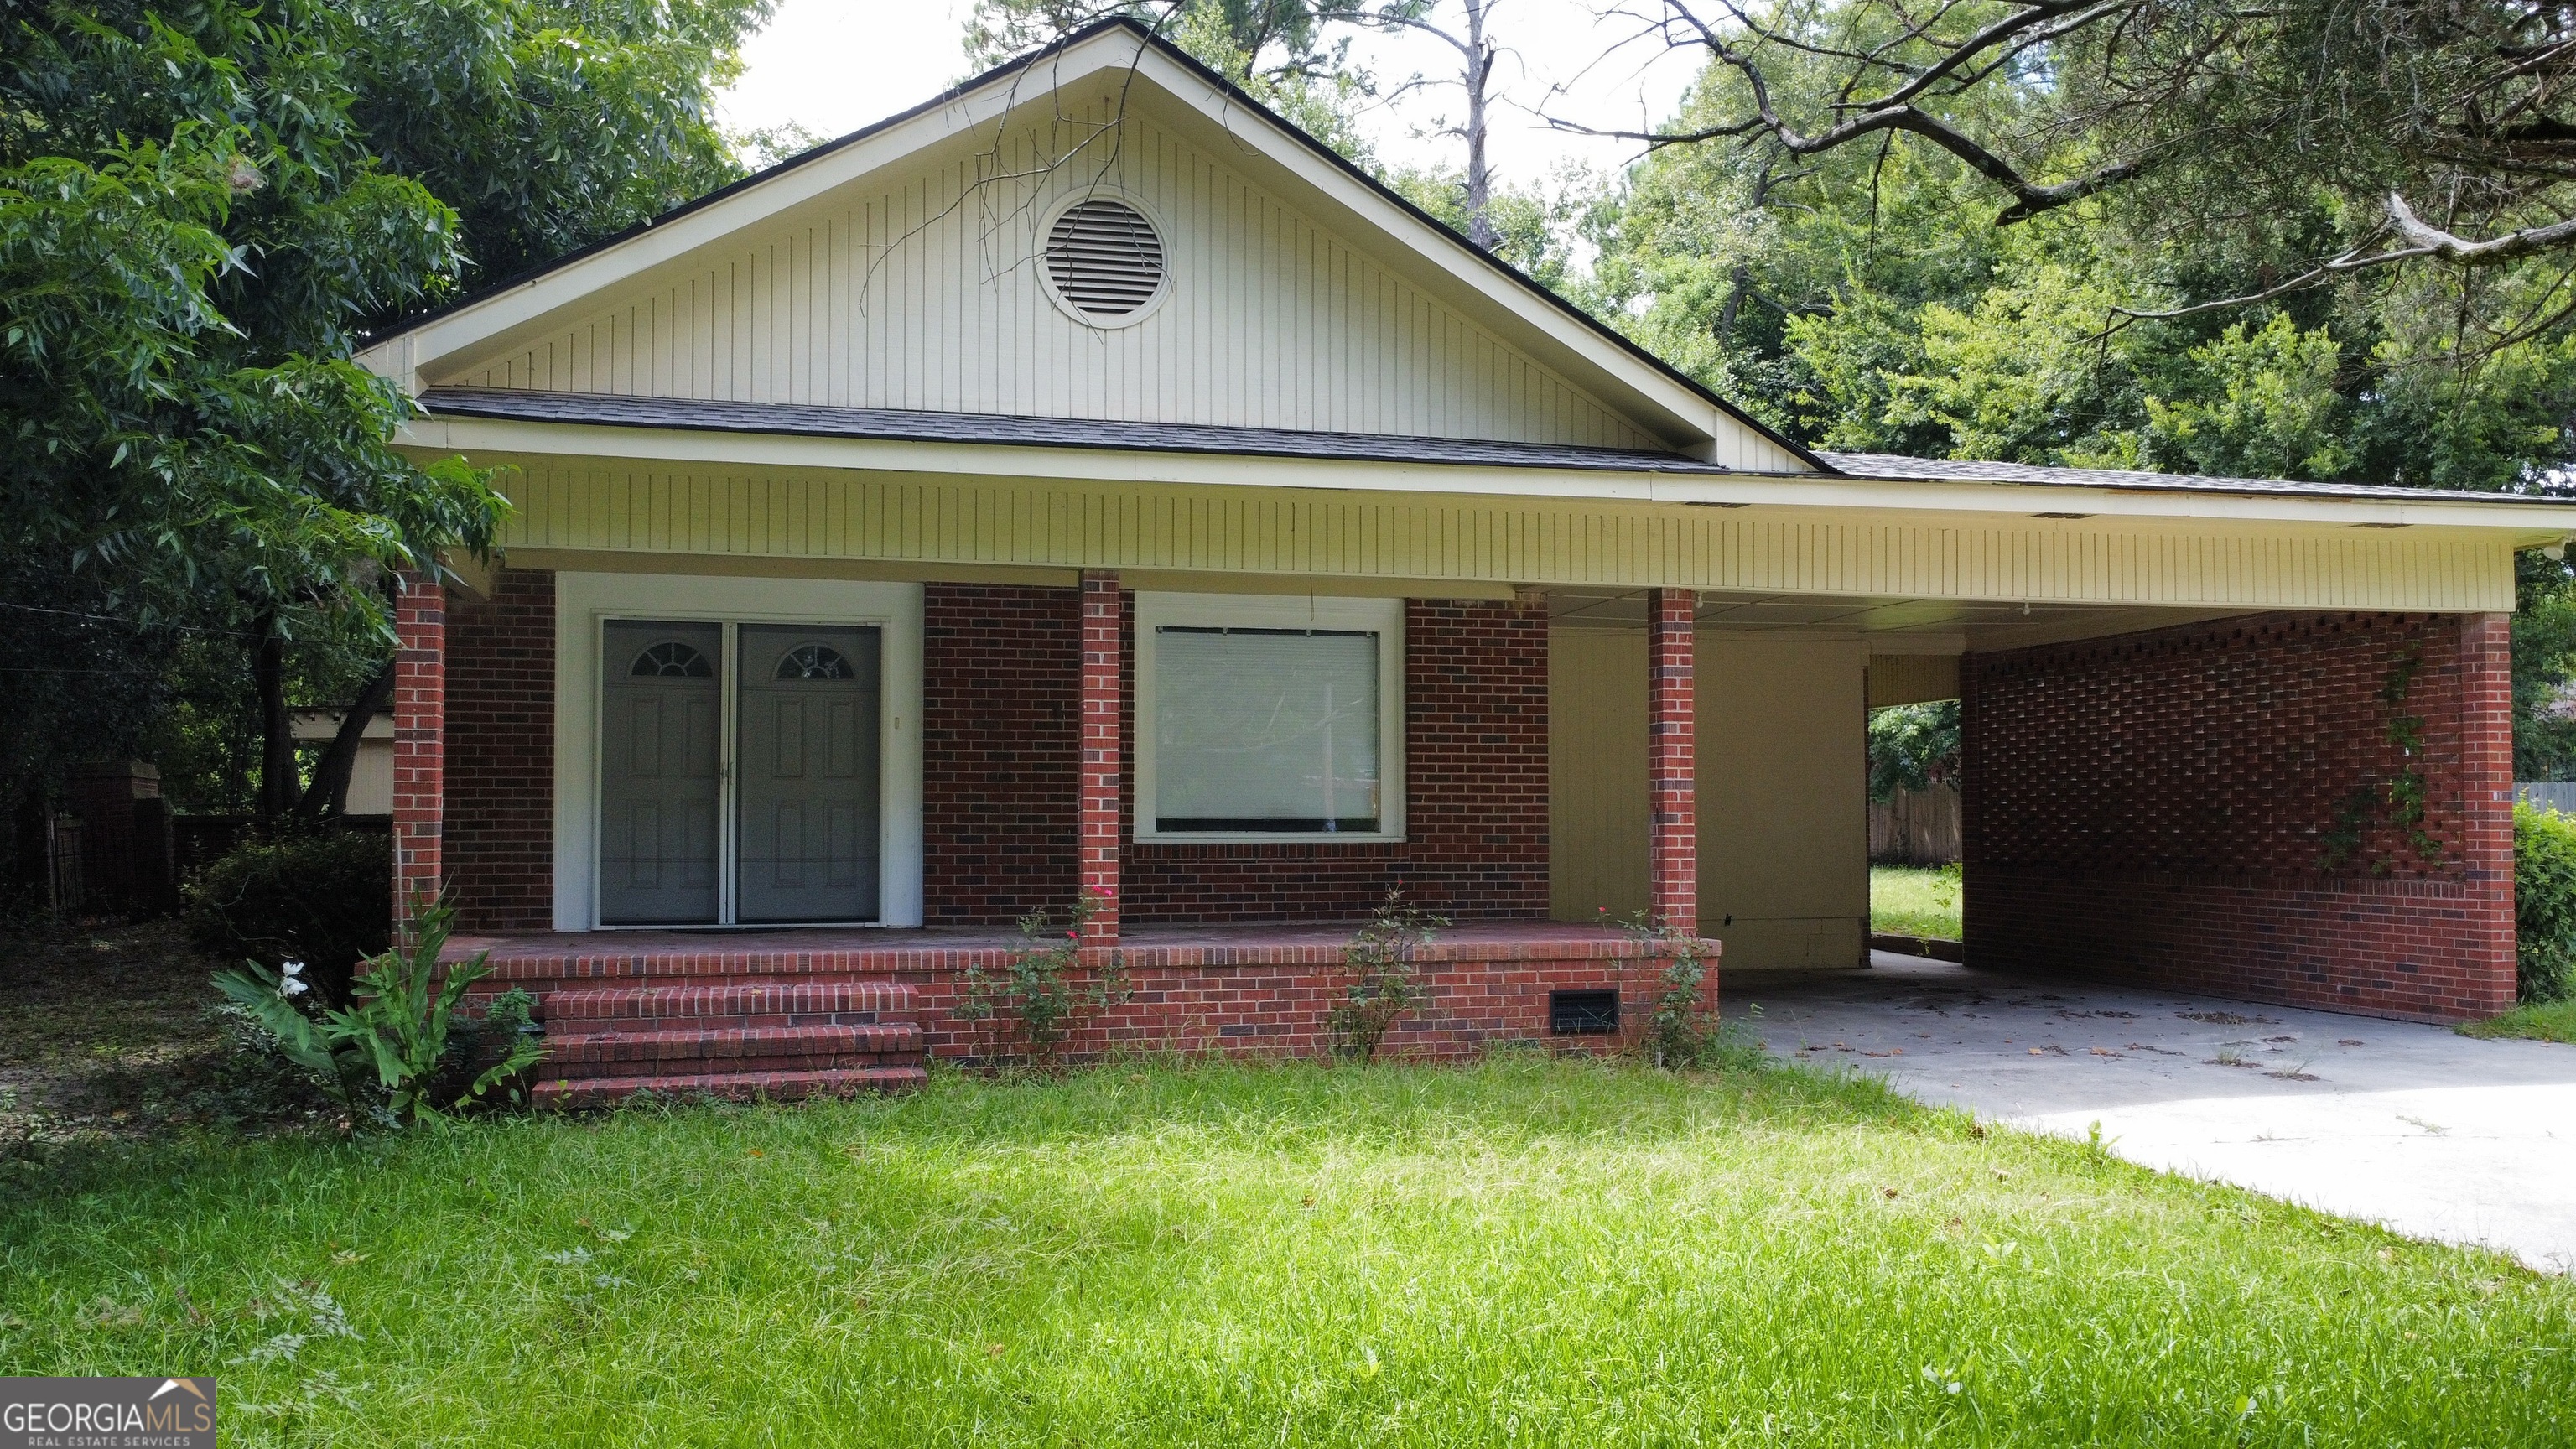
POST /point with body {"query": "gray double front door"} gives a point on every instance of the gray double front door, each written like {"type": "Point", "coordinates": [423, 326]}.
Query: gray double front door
{"type": "Point", "coordinates": [792, 826]}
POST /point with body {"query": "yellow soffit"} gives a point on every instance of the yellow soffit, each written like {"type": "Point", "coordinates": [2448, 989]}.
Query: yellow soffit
{"type": "Point", "coordinates": [566, 444]}
{"type": "Point", "coordinates": [1023, 523]}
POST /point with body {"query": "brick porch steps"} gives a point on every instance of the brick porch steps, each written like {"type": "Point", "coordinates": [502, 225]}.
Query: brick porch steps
{"type": "Point", "coordinates": [740, 1005]}
{"type": "Point", "coordinates": [761, 1048]}
{"type": "Point", "coordinates": [776, 1085]}
{"type": "Point", "coordinates": [721, 1038]}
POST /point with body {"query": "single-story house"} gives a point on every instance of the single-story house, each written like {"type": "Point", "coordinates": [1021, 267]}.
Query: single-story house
{"type": "Point", "coordinates": [1085, 482]}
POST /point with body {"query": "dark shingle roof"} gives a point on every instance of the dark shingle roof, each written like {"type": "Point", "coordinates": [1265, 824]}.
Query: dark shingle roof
{"type": "Point", "coordinates": [1895, 467]}
{"type": "Point", "coordinates": [892, 424]}
{"type": "Point", "coordinates": [899, 425]}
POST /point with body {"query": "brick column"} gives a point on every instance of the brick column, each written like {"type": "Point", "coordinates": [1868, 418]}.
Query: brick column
{"type": "Point", "coordinates": [1104, 612]}
{"type": "Point", "coordinates": [1672, 770]}
{"type": "Point", "coordinates": [420, 720]}
{"type": "Point", "coordinates": [2486, 808]}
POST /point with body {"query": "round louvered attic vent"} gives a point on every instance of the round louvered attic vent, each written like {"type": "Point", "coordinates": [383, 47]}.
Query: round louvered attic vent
{"type": "Point", "coordinates": [1104, 261]}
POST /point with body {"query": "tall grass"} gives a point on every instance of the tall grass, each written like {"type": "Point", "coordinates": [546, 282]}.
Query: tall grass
{"type": "Point", "coordinates": [1913, 900]}
{"type": "Point", "coordinates": [1529, 1251]}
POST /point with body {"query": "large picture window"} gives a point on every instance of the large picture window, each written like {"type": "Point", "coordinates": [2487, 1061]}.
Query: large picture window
{"type": "Point", "coordinates": [1260, 718]}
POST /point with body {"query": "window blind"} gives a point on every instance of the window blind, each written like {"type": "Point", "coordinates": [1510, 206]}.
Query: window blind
{"type": "Point", "coordinates": [1266, 730]}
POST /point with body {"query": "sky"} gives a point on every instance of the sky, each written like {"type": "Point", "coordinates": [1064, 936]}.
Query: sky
{"type": "Point", "coordinates": [837, 65]}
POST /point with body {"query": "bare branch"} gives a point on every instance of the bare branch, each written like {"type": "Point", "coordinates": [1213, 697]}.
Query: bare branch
{"type": "Point", "coordinates": [2432, 241]}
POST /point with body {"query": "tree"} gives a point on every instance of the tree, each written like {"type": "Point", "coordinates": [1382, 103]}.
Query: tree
{"type": "Point", "coordinates": [202, 208]}
{"type": "Point", "coordinates": [190, 233]}
{"type": "Point", "coordinates": [548, 124]}
{"type": "Point", "coordinates": [2205, 113]}
{"type": "Point", "coordinates": [1913, 747]}
{"type": "Point", "coordinates": [1282, 53]}
{"type": "Point", "coordinates": [1477, 53]}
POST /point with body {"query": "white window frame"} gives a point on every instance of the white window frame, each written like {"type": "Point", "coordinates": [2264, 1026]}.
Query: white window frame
{"type": "Point", "coordinates": [586, 602]}
{"type": "Point", "coordinates": [1382, 617]}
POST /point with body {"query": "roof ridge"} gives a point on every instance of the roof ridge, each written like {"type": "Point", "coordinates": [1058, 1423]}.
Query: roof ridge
{"type": "Point", "coordinates": [1151, 38]}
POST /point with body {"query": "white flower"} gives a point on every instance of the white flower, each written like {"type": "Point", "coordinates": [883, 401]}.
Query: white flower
{"type": "Point", "coordinates": [289, 981]}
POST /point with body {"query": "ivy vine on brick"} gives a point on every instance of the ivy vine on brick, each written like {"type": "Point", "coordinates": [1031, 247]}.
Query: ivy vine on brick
{"type": "Point", "coordinates": [2404, 795]}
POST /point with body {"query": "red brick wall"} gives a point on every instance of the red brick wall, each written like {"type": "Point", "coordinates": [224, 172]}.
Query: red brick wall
{"type": "Point", "coordinates": [420, 703]}
{"type": "Point", "coordinates": [1475, 746]}
{"type": "Point", "coordinates": [1000, 685]}
{"type": "Point", "coordinates": [501, 754]}
{"type": "Point", "coordinates": [1000, 680]}
{"type": "Point", "coordinates": [2160, 807]}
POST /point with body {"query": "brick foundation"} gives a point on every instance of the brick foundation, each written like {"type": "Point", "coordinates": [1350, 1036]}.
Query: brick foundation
{"type": "Point", "coordinates": [2162, 809]}
{"type": "Point", "coordinates": [499, 844]}
{"type": "Point", "coordinates": [1235, 991]}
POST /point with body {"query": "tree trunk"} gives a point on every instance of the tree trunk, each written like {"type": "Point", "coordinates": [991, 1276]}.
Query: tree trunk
{"type": "Point", "coordinates": [279, 784]}
{"type": "Point", "coordinates": [328, 795]}
{"type": "Point", "coordinates": [1480, 176]}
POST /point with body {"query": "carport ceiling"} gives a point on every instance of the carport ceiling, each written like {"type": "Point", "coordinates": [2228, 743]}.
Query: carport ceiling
{"type": "Point", "coordinates": [1890, 625]}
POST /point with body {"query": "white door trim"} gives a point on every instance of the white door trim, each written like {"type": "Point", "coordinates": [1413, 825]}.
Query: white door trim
{"type": "Point", "coordinates": [584, 601]}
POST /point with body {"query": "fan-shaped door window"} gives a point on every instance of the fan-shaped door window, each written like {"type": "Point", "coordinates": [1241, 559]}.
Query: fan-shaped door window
{"type": "Point", "coordinates": [813, 661]}
{"type": "Point", "coordinates": [1105, 262]}
{"type": "Point", "coordinates": [671, 659]}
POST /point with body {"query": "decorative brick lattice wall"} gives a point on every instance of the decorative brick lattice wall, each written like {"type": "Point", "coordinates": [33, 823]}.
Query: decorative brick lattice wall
{"type": "Point", "coordinates": [501, 754]}
{"type": "Point", "coordinates": [2162, 808]}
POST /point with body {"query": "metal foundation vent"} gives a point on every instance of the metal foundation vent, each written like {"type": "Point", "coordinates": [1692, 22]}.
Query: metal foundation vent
{"type": "Point", "coordinates": [1583, 1013]}
{"type": "Point", "coordinates": [1104, 259]}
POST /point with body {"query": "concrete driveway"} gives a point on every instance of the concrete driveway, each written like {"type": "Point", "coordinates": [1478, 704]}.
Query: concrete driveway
{"type": "Point", "coordinates": [2431, 1133]}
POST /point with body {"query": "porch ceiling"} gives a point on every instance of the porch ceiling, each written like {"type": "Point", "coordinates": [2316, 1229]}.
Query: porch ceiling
{"type": "Point", "coordinates": [1890, 625]}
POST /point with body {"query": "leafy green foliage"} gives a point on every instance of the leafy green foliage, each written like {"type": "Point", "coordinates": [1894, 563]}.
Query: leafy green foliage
{"type": "Point", "coordinates": [192, 233]}
{"type": "Point", "coordinates": [1862, 298]}
{"type": "Point", "coordinates": [1043, 985]}
{"type": "Point", "coordinates": [204, 205]}
{"type": "Point", "coordinates": [1379, 961]}
{"type": "Point", "coordinates": [1683, 1031]}
{"type": "Point", "coordinates": [319, 896]}
{"type": "Point", "coordinates": [2544, 896]}
{"type": "Point", "coordinates": [391, 1046]}
{"type": "Point", "coordinates": [1913, 747]}
{"type": "Point", "coordinates": [548, 124]}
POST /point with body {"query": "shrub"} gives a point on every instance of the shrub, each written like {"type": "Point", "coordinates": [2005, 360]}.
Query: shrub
{"type": "Point", "coordinates": [394, 1048]}
{"type": "Point", "coordinates": [1683, 1032]}
{"type": "Point", "coordinates": [322, 897]}
{"type": "Point", "coordinates": [1038, 983]}
{"type": "Point", "coordinates": [2544, 893]}
{"type": "Point", "coordinates": [1380, 960]}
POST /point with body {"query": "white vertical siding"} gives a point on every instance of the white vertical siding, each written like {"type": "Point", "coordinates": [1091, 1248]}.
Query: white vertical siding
{"type": "Point", "coordinates": [924, 295]}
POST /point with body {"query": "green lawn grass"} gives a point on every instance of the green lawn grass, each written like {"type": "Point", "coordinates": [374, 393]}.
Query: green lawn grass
{"type": "Point", "coordinates": [1912, 900]}
{"type": "Point", "coordinates": [2549, 1021]}
{"type": "Point", "coordinates": [1526, 1251]}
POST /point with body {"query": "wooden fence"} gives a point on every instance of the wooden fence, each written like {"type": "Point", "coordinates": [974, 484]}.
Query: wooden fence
{"type": "Point", "coordinates": [1915, 828]}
